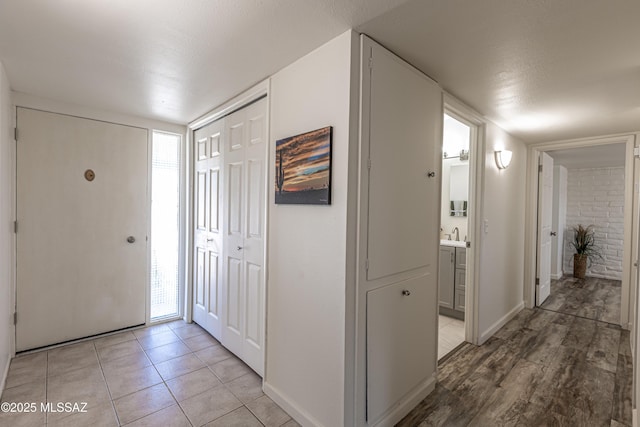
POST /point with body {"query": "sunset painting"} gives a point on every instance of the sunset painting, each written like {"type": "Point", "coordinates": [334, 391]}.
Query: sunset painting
{"type": "Point", "coordinates": [303, 168]}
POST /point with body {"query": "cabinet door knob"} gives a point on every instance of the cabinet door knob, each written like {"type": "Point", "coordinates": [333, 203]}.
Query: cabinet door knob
{"type": "Point", "coordinates": [406, 292]}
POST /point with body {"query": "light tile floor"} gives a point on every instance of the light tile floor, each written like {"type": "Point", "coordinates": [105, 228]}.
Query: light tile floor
{"type": "Point", "coordinates": [173, 374]}
{"type": "Point", "coordinates": [450, 334]}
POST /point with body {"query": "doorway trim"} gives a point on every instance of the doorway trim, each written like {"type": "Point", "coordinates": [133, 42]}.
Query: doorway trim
{"type": "Point", "coordinates": [531, 216]}
{"type": "Point", "coordinates": [458, 110]}
{"type": "Point", "coordinates": [243, 99]}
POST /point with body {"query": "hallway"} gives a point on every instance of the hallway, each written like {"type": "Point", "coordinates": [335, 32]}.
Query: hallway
{"type": "Point", "coordinates": [541, 368]}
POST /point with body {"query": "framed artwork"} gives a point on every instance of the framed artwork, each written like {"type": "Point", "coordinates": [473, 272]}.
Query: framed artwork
{"type": "Point", "coordinates": [303, 168]}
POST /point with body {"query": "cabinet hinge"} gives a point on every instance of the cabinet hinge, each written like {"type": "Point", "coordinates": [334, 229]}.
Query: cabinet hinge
{"type": "Point", "coordinates": [540, 168]}
{"type": "Point", "coordinates": [15, 317]}
{"type": "Point", "coordinates": [370, 62]}
{"type": "Point", "coordinates": [366, 265]}
{"type": "Point", "coordinates": [636, 152]}
{"type": "Point", "coordinates": [15, 133]}
{"type": "Point", "coordinates": [15, 227]}
{"type": "Point", "coordinates": [369, 163]}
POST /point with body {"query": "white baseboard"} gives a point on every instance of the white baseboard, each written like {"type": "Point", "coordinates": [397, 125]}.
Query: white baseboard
{"type": "Point", "coordinates": [301, 416]}
{"type": "Point", "coordinates": [484, 336]}
{"type": "Point", "coordinates": [556, 276]}
{"type": "Point", "coordinates": [392, 417]}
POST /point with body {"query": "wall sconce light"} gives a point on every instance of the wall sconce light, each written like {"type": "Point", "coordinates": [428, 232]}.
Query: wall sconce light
{"type": "Point", "coordinates": [503, 158]}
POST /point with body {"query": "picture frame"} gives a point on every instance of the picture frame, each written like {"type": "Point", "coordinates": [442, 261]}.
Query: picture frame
{"type": "Point", "coordinates": [303, 168]}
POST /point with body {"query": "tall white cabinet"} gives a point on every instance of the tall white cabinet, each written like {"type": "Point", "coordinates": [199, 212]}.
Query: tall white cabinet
{"type": "Point", "coordinates": [400, 145]}
{"type": "Point", "coordinates": [229, 231]}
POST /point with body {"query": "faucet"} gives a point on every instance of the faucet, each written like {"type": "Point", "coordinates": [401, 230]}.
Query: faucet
{"type": "Point", "coordinates": [457, 231]}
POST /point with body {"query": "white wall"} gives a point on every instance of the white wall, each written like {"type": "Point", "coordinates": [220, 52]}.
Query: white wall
{"type": "Point", "coordinates": [596, 196]}
{"type": "Point", "coordinates": [307, 249]}
{"type": "Point", "coordinates": [6, 226]}
{"type": "Point", "coordinates": [558, 221]}
{"type": "Point", "coordinates": [501, 248]}
{"type": "Point", "coordinates": [448, 222]}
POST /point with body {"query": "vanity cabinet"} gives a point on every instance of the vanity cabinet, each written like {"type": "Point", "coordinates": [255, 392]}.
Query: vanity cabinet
{"type": "Point", "coordinates": [451, 282]}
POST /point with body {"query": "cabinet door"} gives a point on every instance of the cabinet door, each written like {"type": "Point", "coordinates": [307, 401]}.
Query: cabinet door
{"type": "Point", "coordinates": [460, 279]}
{"type": "Point", "coordinates": [461, 258]}
{"type": "Point", "coordinates": [460, 295]}
{"type": "Point", "coordinates": [446, 276]}
{"type": "Point", "coordinates": [399, 350]}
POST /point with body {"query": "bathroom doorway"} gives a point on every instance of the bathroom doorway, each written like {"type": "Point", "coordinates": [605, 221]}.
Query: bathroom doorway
{"type": "Point", "coordinates": [454, 232]}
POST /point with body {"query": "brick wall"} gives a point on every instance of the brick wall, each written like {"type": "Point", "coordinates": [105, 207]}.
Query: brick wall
{"type": "Point", "coordinates": [596, 196]}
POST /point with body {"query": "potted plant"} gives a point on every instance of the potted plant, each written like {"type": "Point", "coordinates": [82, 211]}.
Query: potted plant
{"type": "Point", "coordinates": [584, 244]}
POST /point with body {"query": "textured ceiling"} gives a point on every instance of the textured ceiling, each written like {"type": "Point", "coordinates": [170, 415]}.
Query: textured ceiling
{"type": "Point", "coordinates": [599, 156]}
{"type": "Point", "coordinates": [543, 70]}
{"type": "Point", "coordinates": [171, 60]}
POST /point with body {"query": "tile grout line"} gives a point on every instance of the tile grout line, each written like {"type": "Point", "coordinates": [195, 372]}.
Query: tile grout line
{"type": "Point", "coordinates": [104, 377]}
{"type": "Point", "coordinates": [165, 381]}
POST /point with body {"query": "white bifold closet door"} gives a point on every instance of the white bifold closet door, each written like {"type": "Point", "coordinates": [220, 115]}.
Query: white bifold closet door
{"type": "Point", "coordinates": [230, 212]}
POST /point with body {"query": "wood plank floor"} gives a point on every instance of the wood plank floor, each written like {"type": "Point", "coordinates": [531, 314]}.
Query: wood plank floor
{"type": "Point", "coordinates": [591, 298]}
{"type": "Point", "coordinates": [541, 369]}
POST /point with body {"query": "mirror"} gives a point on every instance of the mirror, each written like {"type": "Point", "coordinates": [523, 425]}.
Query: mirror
{"type": "Point", "coordinates": [458, 190]}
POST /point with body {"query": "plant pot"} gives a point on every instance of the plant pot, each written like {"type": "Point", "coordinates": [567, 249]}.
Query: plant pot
{"type": "Point", "coordinates": [580, 265]}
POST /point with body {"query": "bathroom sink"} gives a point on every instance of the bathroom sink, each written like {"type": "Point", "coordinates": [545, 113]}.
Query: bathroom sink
{"type": "Point", "coordinates": [455, 243]}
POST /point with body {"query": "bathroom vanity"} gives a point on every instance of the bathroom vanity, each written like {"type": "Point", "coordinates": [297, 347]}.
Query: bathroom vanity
{"type": "Point", "coordinates": [453, 264]}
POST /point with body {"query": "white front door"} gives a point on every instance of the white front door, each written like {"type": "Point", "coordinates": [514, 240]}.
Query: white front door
{"type": "Point", "coordinates": [82, 212]}
{"type": "Point", "coordinates": [207, 253]}
{"type": "Point", "coordinates": [545, 207]}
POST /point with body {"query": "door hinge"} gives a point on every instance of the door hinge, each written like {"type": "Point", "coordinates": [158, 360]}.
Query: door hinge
{"type": "Point", "coordinates": [15, 227]}
{"type": "Point", "coordinates": [15, 133]}
{"type": "Point", "coordinates": [369, 163]}
{"type": "Point", "coordinates": [636, 152]}
{"type": "Point", "coordinates": [537, 281]}
{"type": "Point", "coordinates": [15, 317]}
{"type": "Point", "coordinates": [540, 168]}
